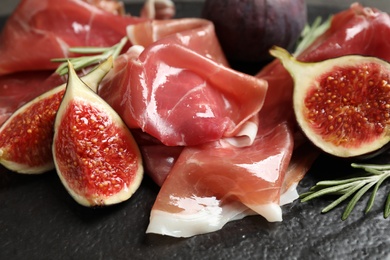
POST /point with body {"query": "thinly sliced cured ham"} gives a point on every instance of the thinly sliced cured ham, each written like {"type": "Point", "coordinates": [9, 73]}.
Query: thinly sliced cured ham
{"type": "Point", "coordinates": [175, 85]}
{"type": "Point", "coordinates": [158, 158]}
{"type": "Point", "coordinates": [18, 88]}
{"type": "Point", "coordinates": [358, 30]}
{"type": "Point", "coordinates": [195, 34]}
{"type": "Point", "coordinates": [178, 95]}
{"type": "Point", "coordinates": [38, 31]}
{"type": "Point", "coordinates": [41, 30]}
{"type": "Point", "coordinates": [215, 183]}
{"type": "Point", "coordinates": [199, 198]}
{"type": "Point", "coordinates": [158, 9]}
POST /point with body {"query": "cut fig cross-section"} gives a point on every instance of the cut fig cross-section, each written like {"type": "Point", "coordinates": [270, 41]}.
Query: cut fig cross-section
{"type": "Point", "coordinates": [341, 104]}
{"type": "Point", "coordinates": [26, 137]}
{"type": "Point", "coordinates": [94, 152]}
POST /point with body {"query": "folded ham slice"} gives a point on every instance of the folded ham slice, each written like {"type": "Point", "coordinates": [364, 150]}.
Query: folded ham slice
{"type": "Point", "coordinates": [195, 34]}
{"type": "Point", "coordinates": [158, 9]}
{"type": "Point", "coordinates": [212, 184]}
{"type": "Point", "coordinates": [18, 88]}
{"type": "Point", "coordinates": [173, 90]}
{"type": "Point", "coordinates": [40, 30]}
{"type": "Point", "coordinates": [175, 85]}
{"type": "Point", "coordinates": [357, 30]}
{"type": "Point", "coordinates": [201, 193]}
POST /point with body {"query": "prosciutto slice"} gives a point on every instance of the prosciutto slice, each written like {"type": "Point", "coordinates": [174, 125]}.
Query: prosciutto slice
{"type": "Point", "coordinates": [358, 30]}
{"type": "Point", "coordinates": [18, 88]}
{"type": "Point", "coordinates": [200, 195]}
{"type": "Point", "coordinates": [178, 95]}
{"type": "Point", "coordinates": [212, 184]}
{"type": "Point", "coordinates": [158, 9]}
{"type": "Point", "coordinates": [195, 34]}
{"type": "Point", "coordinates": [40, 30]}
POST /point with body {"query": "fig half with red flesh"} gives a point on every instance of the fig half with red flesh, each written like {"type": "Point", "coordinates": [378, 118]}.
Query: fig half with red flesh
{"type": "Point", "coordinates": [26, 137]}
{"type": "Point", "coordinates": [94, 152]}
{"type": "Point", "coordinates": [341, 104]}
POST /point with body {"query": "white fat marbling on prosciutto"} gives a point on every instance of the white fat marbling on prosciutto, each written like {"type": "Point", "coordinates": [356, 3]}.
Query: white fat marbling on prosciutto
{"type": "Point", "coordinates": [290, 195]}
{"type": "Point", "coordinates": [202, 215]}
{"type": "Point", "coordinates": [245, 136]}
{"type": "Point", "coordinates": [208, 218]}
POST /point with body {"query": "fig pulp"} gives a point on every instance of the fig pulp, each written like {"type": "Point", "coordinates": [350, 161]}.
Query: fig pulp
{"type": "Point", "coordinates": [26, 137]}
{"type": "Point", "coordinates": [94, 152]}
{"type": "Point", "coordinates": [341, 104]}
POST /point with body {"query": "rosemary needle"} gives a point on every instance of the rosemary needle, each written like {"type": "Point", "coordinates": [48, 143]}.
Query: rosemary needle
{"type": "Point", "coordinates": [387, 207]}
{"type": "Point", "coordinates": [100, 54]}
{"type": "Point", "coordinates": [354, 187]}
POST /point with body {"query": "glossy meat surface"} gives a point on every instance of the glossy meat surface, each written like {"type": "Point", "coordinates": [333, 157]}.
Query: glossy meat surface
{"type": "Point", "coordinates": [41, 30]}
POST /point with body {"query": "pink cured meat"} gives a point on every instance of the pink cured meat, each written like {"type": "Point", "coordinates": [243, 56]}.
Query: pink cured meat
{"type": "Point", "coordinates": [195, 34]}
{"type": "Point", "coordinates": [358, 30]}
{"type": "Point", "coordinates": [351, 31]}
{"type": "Point", "coordinates": [180, 96]}
{"type": "Point", "coordinates": [158, 159]}
{"type": "Point", "coordinates": [40, 30]}
{"type": "Point", "coordinates": [212, 184]}
{"type": "Point", "coordinates": [21, 87]}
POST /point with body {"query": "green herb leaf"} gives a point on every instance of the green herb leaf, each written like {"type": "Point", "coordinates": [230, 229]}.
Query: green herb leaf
{"type": "Point", "coordinates": [355, 199]}
{"type": "Point", "coordinates": [311, 32]}
{"type": "Point", "coordinates": [387, 207]}
{"type": "Point", "coordinates": [356, 185]}
{"type": "Point", "coordinates": [101, 54]}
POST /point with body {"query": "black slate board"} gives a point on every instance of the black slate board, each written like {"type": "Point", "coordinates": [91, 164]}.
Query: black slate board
{"type": "Point", "coordinates": [39, 220]}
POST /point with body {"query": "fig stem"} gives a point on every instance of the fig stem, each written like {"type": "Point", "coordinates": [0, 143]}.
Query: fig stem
{"type": "Point", "coordinates": [288, 60]}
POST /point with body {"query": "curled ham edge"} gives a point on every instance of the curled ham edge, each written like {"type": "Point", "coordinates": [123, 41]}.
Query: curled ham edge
{"type": "Point", "coordinates": [177, 223]}
{"type": "Point", "coordinates": [158, 9]}
{"type": "Point", "coordinates": [289, 188]}
{"type": "Point", "coordinates": [246, 133]}
{"type": "Point", "coordinates": [241, 130]}
{"type": "Point", "coordinates": [152, 9]}
{"type": "Point", "coordinates": [213, 217]}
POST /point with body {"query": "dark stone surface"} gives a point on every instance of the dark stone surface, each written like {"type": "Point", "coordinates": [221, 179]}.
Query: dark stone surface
{"type": "Point", "coordinates": [39, 220]}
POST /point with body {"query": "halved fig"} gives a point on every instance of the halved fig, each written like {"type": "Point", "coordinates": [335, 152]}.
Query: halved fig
{"type": "Point", "coordinates": [26, 137]}
{"type": "Point", "coordinates": [94, 152]}
{"type": "Point", "coordinates": [341, 104]}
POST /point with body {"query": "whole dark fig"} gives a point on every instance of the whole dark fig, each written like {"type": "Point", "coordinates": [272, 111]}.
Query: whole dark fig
{"type": "Point", "coordinates": [247, 29]}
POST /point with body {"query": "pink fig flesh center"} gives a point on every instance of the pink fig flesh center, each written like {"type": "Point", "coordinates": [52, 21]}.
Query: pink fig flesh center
{"type": "Point", "coordinates": [94, 155]}
{"type": "Point", "coordinates": [351, 105]}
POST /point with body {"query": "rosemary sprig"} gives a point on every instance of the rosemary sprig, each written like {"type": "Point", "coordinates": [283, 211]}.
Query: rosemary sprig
{"type": "Point", "coordinates": [357, 186]}
{"type": "Point", "coordinates": [311, 32]}
{"type": "Point", "coordinates": [101, 53]}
